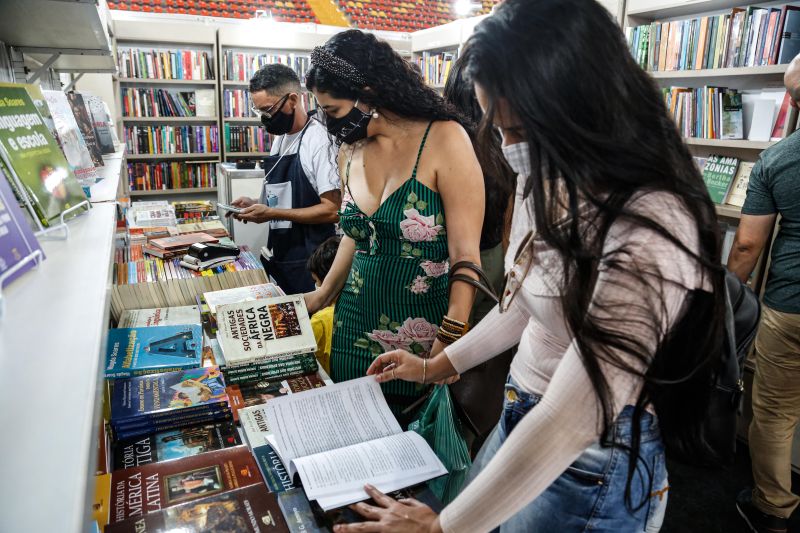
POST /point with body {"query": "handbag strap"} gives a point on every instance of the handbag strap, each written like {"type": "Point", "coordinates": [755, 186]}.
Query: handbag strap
{"type": "Point", "coordinates": [482, 283]}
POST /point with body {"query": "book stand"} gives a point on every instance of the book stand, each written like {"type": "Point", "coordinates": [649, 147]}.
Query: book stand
{"type": "Point", "coordinates": [35, 256]}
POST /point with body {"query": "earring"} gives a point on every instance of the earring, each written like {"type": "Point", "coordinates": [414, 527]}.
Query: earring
{"type": "Point", "coordinates": [375, 114]}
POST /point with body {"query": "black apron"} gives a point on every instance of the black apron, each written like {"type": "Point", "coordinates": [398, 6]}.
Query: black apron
{"type": "Point", "coordinates": [291, 247]}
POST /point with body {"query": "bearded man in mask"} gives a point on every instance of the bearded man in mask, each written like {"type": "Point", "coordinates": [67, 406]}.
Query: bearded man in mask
{"type": "Point", "coordinates": [302, 191]}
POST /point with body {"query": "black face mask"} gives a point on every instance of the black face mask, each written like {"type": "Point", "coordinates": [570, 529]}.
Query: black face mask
{"type": "Point", "coordinates": [280, 124]}
{"type": "Point", "coordinates": [350, 128]}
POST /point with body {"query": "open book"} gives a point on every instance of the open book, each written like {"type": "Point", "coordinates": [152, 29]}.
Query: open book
{"type": "Point", "coordinates": [340, 437]}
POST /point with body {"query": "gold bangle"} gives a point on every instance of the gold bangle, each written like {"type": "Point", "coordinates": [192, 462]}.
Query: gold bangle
{"type": "Point", "coordinates": [424, 370]}
{"type": "Point", "coordinates": [447, 337]}
{"type": "Point", "coordinates": [455, 324]}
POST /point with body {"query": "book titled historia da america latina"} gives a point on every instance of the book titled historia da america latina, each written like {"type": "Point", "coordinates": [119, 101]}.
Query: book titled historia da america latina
{"type": "Point", "coordinates": [155, 349]}
{"type": "Point", "coordinates": [29, 151]}
{"type": "Point", "coordinates": [140, 490]}
{"type": "Point", "coordinates": [255, 331]}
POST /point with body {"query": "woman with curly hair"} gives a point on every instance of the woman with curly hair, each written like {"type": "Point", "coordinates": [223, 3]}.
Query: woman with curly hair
{"type": "Point", "coordinates": [412, 205]}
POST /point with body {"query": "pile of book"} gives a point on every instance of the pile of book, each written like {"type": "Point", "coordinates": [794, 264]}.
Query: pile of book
{"type": "Point", "coordinates": [246, 139]}
{"type": "Point", "coordinates": [171, 139]}
{"type": "Point", "coordinates": [165, 64]}
{"type": "Point", "coordinates": [171, 247]}
{"type": "Point", "coordinates": [208, 225]}
{"type": "Point", "coordinates": [236, 103]}
{"type": "Point", "coordinates": [240, 66]}
{"type": "Point", "coordinates": [745, 37]}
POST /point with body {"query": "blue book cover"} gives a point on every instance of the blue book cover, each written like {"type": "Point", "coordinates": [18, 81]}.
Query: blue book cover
{"type": "Point", "coordinates": [275, 475]}
{"type": "Point", "coordinates": [168, 393]}
{"type": "Point", "coordinates": [154, 349]}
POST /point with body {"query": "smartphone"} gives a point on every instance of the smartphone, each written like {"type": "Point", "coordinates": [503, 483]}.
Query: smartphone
{"type": "Point", "coordinates": [230, 208]}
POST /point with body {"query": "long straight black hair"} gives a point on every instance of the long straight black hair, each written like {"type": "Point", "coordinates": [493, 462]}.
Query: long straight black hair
{"type": "Point", "coordinates": [599, 133]}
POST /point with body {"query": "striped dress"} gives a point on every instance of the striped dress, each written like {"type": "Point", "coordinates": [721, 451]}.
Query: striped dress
{"type": "Point", "coordinates": [396, 293]}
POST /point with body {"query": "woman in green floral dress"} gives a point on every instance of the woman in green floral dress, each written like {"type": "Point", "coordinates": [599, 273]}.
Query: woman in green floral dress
{"type": "Point", "coordinates": [412, 205]}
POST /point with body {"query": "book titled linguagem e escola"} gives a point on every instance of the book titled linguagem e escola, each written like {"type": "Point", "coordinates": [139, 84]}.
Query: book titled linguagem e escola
{"type": "Point", "coordinates": [153, 350]}
{"type": "Point", "coordinates": [138, 491]}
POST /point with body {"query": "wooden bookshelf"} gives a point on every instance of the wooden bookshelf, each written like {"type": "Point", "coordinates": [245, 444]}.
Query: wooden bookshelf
{"type": "Point", "coordinates": [165, 120]}
{"type": "Point", "coordinates": [158, 81]}
{"type": "Point", "coordinates": [167, 192]}
{"type": "Point", "coordinates": [750, 72]}
{"type": "Point", "coordinates": [729, 211]}
{"type": "Point", "coordinates": [741, 144]}
{"type": "Point", "coordinates": [246, 154]}
{"type": "Point", "coordinates": [148, 157]}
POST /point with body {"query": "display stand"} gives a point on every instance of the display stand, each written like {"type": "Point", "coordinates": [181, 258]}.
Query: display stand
{"type": "Point", "coordinates": [35, 256]}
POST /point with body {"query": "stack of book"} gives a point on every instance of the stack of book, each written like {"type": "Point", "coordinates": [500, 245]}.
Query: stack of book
{"type": "Point", "coordinates": [171, 139]}
{"type": "Point", "coordinates": [171, 247]}
{"type": "Point", "coordinates": [746, 37]}
{"type": "Point", "coordinates": [194, 209]}
{"type": "Point", "coordinates": [165, 64]}
{"type": "Point", "coordinates": [157, 103]}
{"type": "Point", "coordinates": [215, 228]}
{"type": "Point", "coordinates": [726, 178]}
{"type": "Point", "coordinates": [236, 103]}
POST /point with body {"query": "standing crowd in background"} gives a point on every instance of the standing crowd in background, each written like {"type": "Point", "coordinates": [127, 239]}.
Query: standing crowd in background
{"type": "Point", "coordinates": [545, 248]}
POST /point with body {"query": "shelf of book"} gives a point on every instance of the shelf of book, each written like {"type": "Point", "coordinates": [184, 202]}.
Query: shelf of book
{"type": "Point", "coordinates": [729, 211]}
{"type": "Point", "coordinates": [149, 157]}
{"type": "Point", "coordinates": [158, 81]}
{"type": "Point", "coordinates": [169, 119]}
{"type": "Point", "coordinates": [741, 144]}
{"type": "Point", "coordinates": [164, 192]}
{"type": "Point", "coordinates": [763, 71]}
{"type": "Point", "coordinates": [52, 337]}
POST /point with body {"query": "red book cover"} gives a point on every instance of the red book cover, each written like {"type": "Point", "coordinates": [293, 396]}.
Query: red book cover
{"type": "Point", "coordinates": [140, 490]}
{"type": "Point", "coordinates": [780, 122]}
{"type": "Point", "coordinates": [182, 241]}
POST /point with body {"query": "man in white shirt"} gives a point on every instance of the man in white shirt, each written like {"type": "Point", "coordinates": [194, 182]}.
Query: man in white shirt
{"type": "Point", "coordinates": [301, 194]}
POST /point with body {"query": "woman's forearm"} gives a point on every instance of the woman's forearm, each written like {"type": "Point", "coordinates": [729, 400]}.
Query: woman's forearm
{"type": "Point", "coordinates": [337, 276]}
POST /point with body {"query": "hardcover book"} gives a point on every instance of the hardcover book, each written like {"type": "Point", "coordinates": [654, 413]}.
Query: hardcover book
{"type": "Point", "coordinates": [274, 473]}
{"type": "Point", "coordinates": [155, 349]}
{"type": "Point", "coordinates": [718, 175]}
{"type": "Point", "coordinates": [29, 150]}
{"type": "Point", "coordinates": [175, 444]}
{"type": "Point", "coordinates": [241, 294]}
{"type": "Point", "coordinates": [162, 395]}
{"type": "Point", "coordinates": [86, 125]}
{"type": "Point", "coordinates": [161, 316]}
{"type": "Point", "coordinates": [140, 490]}
{"type": "Point", "coordinates": [262, 329]}
{"type": "Point", "coordinates": [70, 138]}
{"type": "Point", "coordinates": [17, 240]}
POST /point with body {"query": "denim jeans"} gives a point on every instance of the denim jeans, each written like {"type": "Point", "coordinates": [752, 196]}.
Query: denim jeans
{"type": "Point", "coordinates": [590, 494]}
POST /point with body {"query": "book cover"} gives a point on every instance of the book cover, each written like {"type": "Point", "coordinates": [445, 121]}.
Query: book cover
{"type": "Point", "coordinates": [86, 125]}
{"type": "Point", "coordinates": [780, 121]}
{"type": "Point", "coordinates": [140, 490]}
{"type": "Point", "coordinates": [258, 330]}
{"type": "Point", "coordinates": [253, 420]}
{"type": "Point", "coordinates": [732, 121]}
{"type": "Point", "coordinates": [160, 316]}
{"type": "Point", "coordinates": [175, 444]}
{"type": "Point", "coordinates": [297, 511]}
{"type": "Point", "coordinates": [101, 506]}
{"type": "Point", "coordinates": [182, 241]}
{"type": "Point", "coordinates": [167, 393]}
{"type": "Point", "coordinates": [247, 510]}
{"type": "Point", "coordinates": [29, 149]}
{"type": "Point", "coordinates": [718, 175]}
{"type": "Point", "coordinates": [275, 475]}
{"type": "Point", "coordinates": [17, 240]}
{"type": "Point", "coordinates": [253, 393]}
{"type": "Point", "coordinates": [154, 349]}
{"type": "Point", "coordinates": [100, 120]}
{"type": "Point", "coordinates": [70, 138]}
{"type": "Point", "coordinates": [739, 188]}
{"type": "Point", "coordinates": [241, 294]}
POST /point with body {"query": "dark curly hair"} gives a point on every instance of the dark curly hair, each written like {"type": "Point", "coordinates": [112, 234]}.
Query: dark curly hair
{"type": "Point", "coordinates": [321, 260]}
{"type": "Point", "coordinates": [275, 79]}
{"type": "Point", "coordinates": [391, 82]}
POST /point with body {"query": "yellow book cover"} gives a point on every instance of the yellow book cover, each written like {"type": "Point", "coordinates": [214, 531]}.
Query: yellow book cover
{"type": "Point", "coordinates": [101, 505]}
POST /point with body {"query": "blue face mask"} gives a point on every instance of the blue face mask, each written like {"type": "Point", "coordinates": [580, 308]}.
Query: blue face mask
{"type": "Point", "coordinates": [519, 158]}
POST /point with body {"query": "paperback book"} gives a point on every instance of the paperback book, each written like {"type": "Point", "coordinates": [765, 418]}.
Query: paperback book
{"type": "Point", "coordinates": [155, 349]}
{"type": "Point", "coordinates": [277, 368]}
{"type": "Point", "coordinates": [160, 316]}
{"type": "Point", "coordinates": [140, 490]}
{"type": "Point", "coordinates": [738, 191]}
{"type": "Point", "coordinates": [175, 444]}
{"type": "Point", "coordinates": [101, 122]}
{"type": "Point", "coordinates": [718, 174]}
{"type": "Point", "coordinates": [241, 294]}
{"type": "Point", "coordinates": [251, 332]}
{"type": "Point", "coordinates": [272, 470]}
{"type": "Point", "coordinates": [70, 138]}
{"type": "Point", "coordinates": [29, 151]}
{"type": "Point", "coordinates": [17, 240]}
{"type": "Point", "coordinates": [86, 125]}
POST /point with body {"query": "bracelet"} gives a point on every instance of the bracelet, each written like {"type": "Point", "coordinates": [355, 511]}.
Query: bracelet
{"type": "Point", "coordinates": [424, 370]}
{"type": "Point", "coordinates": [454, 326]}
{"type": "Point", "coordinates": [447, 337]}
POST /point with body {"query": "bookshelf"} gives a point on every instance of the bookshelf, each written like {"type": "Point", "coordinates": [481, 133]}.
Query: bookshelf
{"type": "Point", "coordinates": [56, 322]}
{"type": "Point", "coordinates": [167, 35]}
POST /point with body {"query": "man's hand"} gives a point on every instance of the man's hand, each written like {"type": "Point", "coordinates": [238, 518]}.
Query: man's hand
{"type": "Point", "coordinates": [258, 213]}
{"type": "Point", "coordinates": [242, 202]}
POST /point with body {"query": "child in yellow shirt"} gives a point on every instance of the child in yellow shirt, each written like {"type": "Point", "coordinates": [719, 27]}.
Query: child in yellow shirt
{"type": "Point", "coordinates": [319, 264]}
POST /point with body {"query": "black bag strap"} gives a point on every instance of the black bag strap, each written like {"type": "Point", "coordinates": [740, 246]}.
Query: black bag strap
{"type": "Point", "coordinates": [482, 283]}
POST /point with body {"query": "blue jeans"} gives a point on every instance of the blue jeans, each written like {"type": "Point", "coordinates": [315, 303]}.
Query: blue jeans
{"type": "Point", "coordinates": [590, 494]}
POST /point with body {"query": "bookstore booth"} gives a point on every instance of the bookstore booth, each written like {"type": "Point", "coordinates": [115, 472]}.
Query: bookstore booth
{"type": "Point", "coordinates": [186, 274]}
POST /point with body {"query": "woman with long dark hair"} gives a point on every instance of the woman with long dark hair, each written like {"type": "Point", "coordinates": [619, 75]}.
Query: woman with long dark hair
{"type": "Point", "coordinates": [412, 205]}
{"type": "Point", "coordinates": [614, 288]}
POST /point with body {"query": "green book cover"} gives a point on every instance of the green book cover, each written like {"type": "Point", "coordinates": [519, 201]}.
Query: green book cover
{"type": "Point", "coordinates": [30, 150]}
{"type": "Point", "coordinates": [718, 174]}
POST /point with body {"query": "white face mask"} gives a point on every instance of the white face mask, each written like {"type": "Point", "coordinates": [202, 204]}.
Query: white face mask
{"type": "Point", "coordinates": [519, 158]}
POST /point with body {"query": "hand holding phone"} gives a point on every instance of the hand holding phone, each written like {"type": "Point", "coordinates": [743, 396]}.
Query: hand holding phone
{"type": "Point", "coordinates": [232, 209]}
